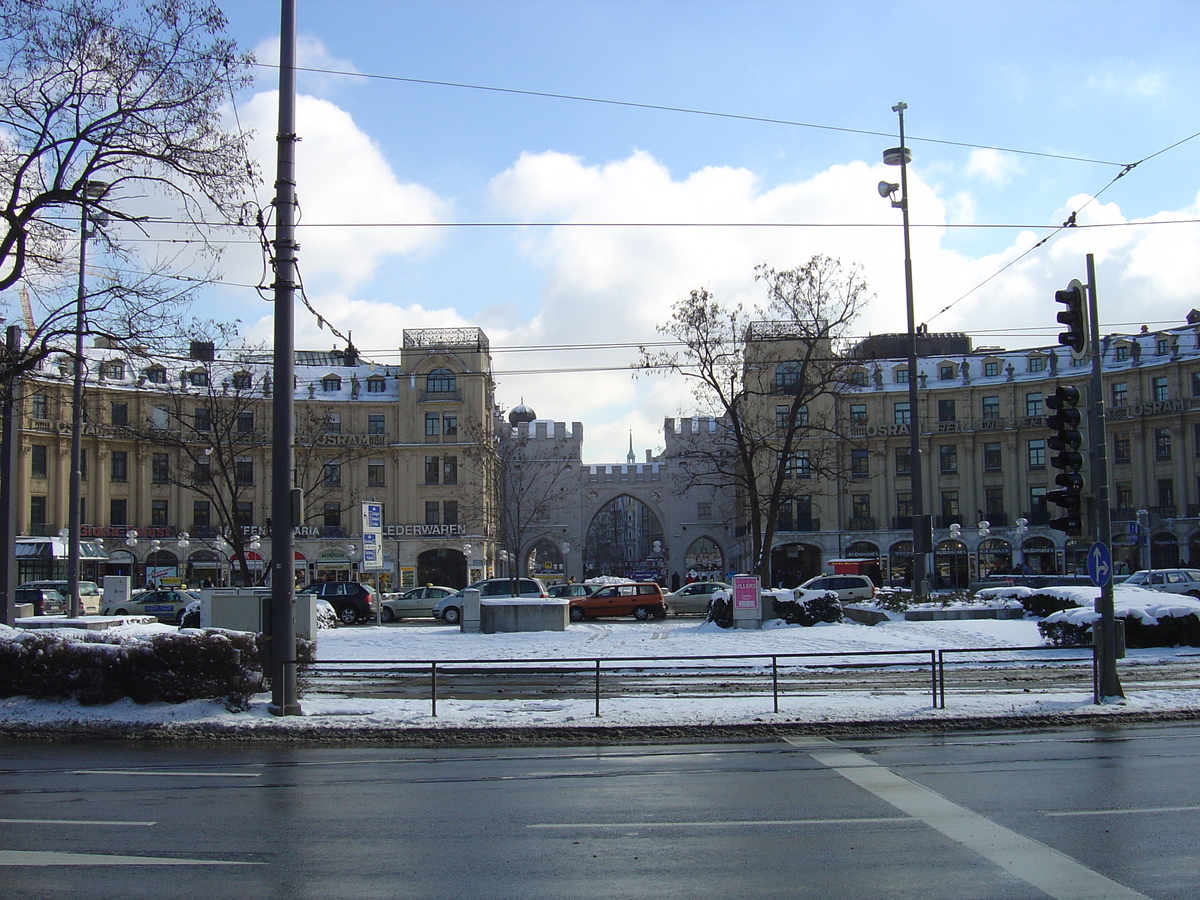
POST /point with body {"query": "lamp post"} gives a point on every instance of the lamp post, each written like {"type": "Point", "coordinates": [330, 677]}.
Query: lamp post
{"type": "Point", "coordinates": [92, 190]}
{"type": "Point", "coordinates": [901, 156]}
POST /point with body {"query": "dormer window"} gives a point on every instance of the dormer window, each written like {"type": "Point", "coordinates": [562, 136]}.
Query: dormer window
{"type": "Point", "coordinates": [156, 375]}
{"type": "Point", "coordinates": [113, 370]}
{"type": "Point", "coordinates": [376, 385]}
{"type": "Point", "coordinates": [197, 378]}
{"type": "Point", "coordinates": [242, 381]}
{"type": "Point", "coordinates": [331, 384]}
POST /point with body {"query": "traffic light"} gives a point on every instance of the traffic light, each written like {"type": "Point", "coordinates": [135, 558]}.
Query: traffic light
{"type": "Point", "coordinates": [1074, 317]}
{"type": "Point", "coordinates": [1065, 442]}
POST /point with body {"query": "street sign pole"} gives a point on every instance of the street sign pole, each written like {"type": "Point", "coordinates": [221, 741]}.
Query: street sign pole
{"type": "Point", "coordinates": [1108, 685]}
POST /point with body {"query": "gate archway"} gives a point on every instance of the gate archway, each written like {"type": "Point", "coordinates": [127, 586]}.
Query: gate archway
{"type": "Point", "coordinates": [621, 539]}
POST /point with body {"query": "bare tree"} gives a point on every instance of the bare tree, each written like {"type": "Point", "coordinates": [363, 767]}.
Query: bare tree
{"type": "Point", "coordinates": [111, 112]}
{"type": "Point", "coordinates": [770, 377]}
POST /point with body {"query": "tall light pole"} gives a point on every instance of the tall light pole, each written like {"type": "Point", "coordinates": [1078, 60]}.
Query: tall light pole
{"type": "Point", "coordinates": [92, 190]}
{"type": "Point", "coordinates": [900, 156]}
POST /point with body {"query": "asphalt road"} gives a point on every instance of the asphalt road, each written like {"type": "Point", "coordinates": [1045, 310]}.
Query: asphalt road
{"type": "Point", "coordinates": [1087, 813]}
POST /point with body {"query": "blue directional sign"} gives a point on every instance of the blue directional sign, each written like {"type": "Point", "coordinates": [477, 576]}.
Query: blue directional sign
{"type": "Point", "coordinates": [1099, 562]}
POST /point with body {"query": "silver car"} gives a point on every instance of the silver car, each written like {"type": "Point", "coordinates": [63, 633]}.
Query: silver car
{"type": "Point", "coordinates": [695, 597]}
{"type": "Point", "coordinates": [449, 609]}
{"type": "Point", "coordinates": [413, 602]}
{"type": "Point", "coordinates": [1173, 581]}
{"type": "Point", "coordinates": [849, 588]}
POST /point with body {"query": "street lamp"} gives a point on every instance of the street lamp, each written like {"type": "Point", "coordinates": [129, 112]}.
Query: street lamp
{"type": "Point", "coordinates": [92, 190]}
{"type": "Point", "coordinates": [901, 156]}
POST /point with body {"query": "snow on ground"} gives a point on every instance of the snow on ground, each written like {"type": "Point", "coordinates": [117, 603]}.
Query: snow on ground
{"type": "Point", "coordinates": [663, 638]}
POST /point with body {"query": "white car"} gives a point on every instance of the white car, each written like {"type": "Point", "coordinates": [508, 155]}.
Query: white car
{"type": "Point", "coordinates": [849, 588]}
{"type": "Point", "coordinates": [413, 602]}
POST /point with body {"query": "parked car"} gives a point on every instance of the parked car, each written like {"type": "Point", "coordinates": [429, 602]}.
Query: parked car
{"type": "Point", "coordinates": [695, 597]}
{"type": "Point", "coordinates": [416, 601]}
{"type": "Point", "coordinates": [1173, 581]}
{"type": "Point", "coordinates": [642, 600]}
{"type": "Point", "coordinates": [168, 606]}
{"type": "Point", "coordinates": [571, 589]}
{"type": "Point", "coordinates": [449, 609]}
{"type": "Point", "coordinates": [352, 601]}
{"type": "Point", "coordinates": [849, 588]}
{"type": "Point", "coordinates": [89, 593]}
{"type": "Point", "coordinates": [46, 601]}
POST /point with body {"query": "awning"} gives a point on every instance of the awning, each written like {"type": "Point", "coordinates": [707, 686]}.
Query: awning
{"type": "Point", "coordinates": [56, 548]}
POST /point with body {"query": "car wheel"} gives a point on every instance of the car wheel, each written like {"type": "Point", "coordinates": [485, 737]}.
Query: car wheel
{"type": "Point", "coordinates": [660, 613]}
{"type": "Point", "coordinates": [179, 617]}
{"type": "Point", "coordinates": [451, 615]}
{"type": "Point", "coordinates": [387, 615]}
{"type": "Point", "coordinates": [577, 614]}
{"type": "Point", "coordinates": [1195, 594]}
{"type": "Point", "coordinates": [641, 613]}
{"type": "Point", "coordinates": [121, 612]}
{"type": "Point", "coordinates": [347, 615]}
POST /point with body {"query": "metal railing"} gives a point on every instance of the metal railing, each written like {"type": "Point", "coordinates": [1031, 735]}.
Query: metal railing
{"type": "Point", "coordinates": [934, 661]}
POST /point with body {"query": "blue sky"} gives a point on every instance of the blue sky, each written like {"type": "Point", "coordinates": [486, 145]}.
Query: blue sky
{"type": "Point", "coordinates": [1106, 81]}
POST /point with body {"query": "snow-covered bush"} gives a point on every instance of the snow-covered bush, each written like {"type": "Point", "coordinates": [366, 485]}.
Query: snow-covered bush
{"type": "Point", "coordinates": [805, 607]}
{"type": "Point", "coordinates": [143, 663]}
{"type": "Point", "coordinates": [1151, 619]}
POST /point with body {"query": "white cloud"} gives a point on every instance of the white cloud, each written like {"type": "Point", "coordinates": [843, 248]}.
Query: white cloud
{"type": "Point", "coordinates": [344, 179]}
{"type": "Point", "coordinates": [992, 166]}
{"type": "Point", "coordinates": [1123, 79]}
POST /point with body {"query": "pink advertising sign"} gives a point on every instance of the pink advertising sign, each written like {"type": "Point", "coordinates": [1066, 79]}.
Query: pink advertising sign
{"type": "Point", "coordinates": [745, 592]}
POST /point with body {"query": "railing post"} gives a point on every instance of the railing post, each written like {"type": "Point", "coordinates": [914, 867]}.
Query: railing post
{"type": "Point", "coordinates": [935, 661]}
{"type": "Point", "coordinates": [597, 688]}
{"type": "Point", "coordinates": [775, 680]}
{"type": "Point", "coordinates": [433, 688]}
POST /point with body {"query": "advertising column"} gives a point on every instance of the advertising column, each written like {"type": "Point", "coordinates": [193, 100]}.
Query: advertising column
{"type": "Point", "coordinates": [747, 602]}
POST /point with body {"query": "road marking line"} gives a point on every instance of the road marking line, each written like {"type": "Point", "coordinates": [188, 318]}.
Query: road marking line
{"type": "Point", "coordinates": [69, 822]}
{"type": "Point", "coordinates": [51, 858]}
{"type": "Point", "coordinates": [167, 773]}
{"type": "Point", "coordinates": [1123, 812]}
{"type": "Point", "coordinates": [732, 823]}
{"type": "Point", "coordinates": [1052, 872]}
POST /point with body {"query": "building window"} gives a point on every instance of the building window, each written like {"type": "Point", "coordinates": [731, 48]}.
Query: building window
{"type": "Point", "coordinates": [1033, 404]}
{"type": "Point", "coordinates": [198, 378]}
{"type": "Point", "coordinates": [333, 423]}
{"type": "Point", "coordinates": [903, 460]}
{"type": "Point", "coordinates": [450, 512]}
{"type": "Point", "coordinates": [83, 465]}
{"type": "Point", "coordinates": [431, 470]}
{"type": "Point", "coordinates": [1161, 390]}
{"type": "Point", "coordinates": [860, 463]}
{"type": "Point", "coordinates": [39, 406]}
{"type": "Point", "coordinates": [1037, 364]}
{"type": "Point", "coordinates": [1162, 346]}
{"type": "Point", "coordinates": [37, 511]}
{"type": "Point", "coordinates": [440, 381]}
{"type": "Point", "coordinates": [992, 460]}
{"type": "Point", "coordinates": [950, 511]}
{"type": "Point", "coordinates": [1162, 444]}
{"type": "Point", "coordinates": [798, 466]}
{"type": "Point", "coordinates": [331, 515]}
{"type": "Point", "coordinates": [947, 459]}
{"type": "Point", "coordinates": [1121, 352]}
{"type": "Point", "coordinates": [450, 470]}
{"type": "Point", "coordinates": [945, 372]}
{"type": "Point", "coordinates": [1196, 384]}
{"type": "Point", "coordinates": [201, 515]}
{"type": "Point", "coordinates": [202, 419]}
{"type": "Point", "coordinates": [431, 512]}
{"type": "Point", "coordinates": [858, 413]}
{"type": "Point", "coordinates": [1124, 496]}
{"type": "Point", "coordinates": [1196, 439]}
{"type": "Point", "coordinates": [375, 473]}
{"type": "Point", "coordinates": [860, 506]}
{"type": "Point", "coordinates": [376, 385]}
{"type": "Point", "coordinates": [991, 368]}
{"type": "Point", "coordinates": [160, 468]}
{"type": "Point", "coordinates": [904, 505]}
{"type": "Point", "coordinates": [901, 376]}
{"type": "Point", "coordinates": [1166, 495]}
{"type": "Point", "coordinates": [1037, 503]}
{"type": "Point", "coordinates": [1120, 393]}
{"type": "Point", "coordinates": [946, 411]}
{"type": "Point", "coordinates": [243, 471]}
{"type": "Point", "coordinates": [119, 465]}
{"type": "Point", "coordinates": [242, 381]}
{"type": "Point", "coordinates": [1037, 454]}
{"type": "Point", "coordinates": [432, 424]}
{"type": "Point", "coordinates": [787, 376]}
{"type": "Point", "coordinates": [331, 473]}
{"type": "Point", "coordinates": [450, 425]}
{"type": "Point", "coordinates": [158, 513]}
{"type": "Point", "coordinates": [113, 370]}
{"type": "Point", "coordinates": [1121, 445]}
{"type": "Point", "coordinates": [39, 468]}
{"type": "Point", "coordinates": [245, 421]}
{"type": "Point", "coordinates": [118, 511]}
{"type": "Point", "coordinates": [901, 414]}
{"type": "Point", "coordinates": [243, 514]}
{"type": "Point", "coordinates": [858, 377]}
{"type": "Point", "coordinates": [156, 375]}
{"type": "Point", "coordinates": [375, 423]}
{"type": "Point", "coordinates": [331, 384]}
{"type": "Point", "coordinates": [991, 408]}
{"type": "Point", "coordinates": [201, 472]}
{"type": "Point", "coordinates": [993, 502]}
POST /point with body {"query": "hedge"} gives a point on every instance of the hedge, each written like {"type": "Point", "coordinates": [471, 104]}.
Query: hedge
{"type": "Point", "coordinates": [173, 667]}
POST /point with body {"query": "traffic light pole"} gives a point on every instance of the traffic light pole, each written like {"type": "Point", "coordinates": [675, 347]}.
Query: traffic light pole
{"type": "Point", "coordinates": [1108, 685]}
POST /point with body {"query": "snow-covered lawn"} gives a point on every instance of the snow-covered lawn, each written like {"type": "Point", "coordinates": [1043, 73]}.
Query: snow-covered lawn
{"type": "Point", "coordinates": [664, 638]}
